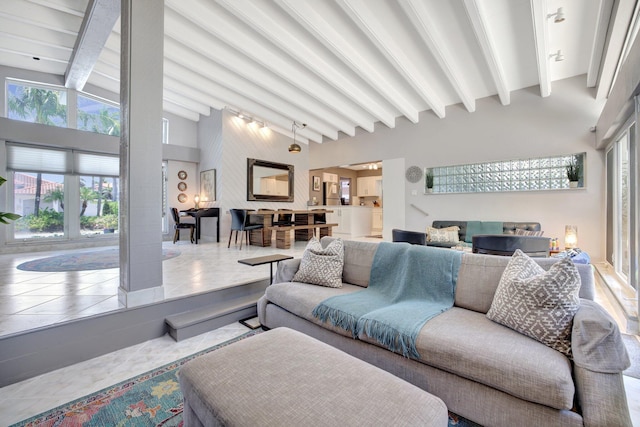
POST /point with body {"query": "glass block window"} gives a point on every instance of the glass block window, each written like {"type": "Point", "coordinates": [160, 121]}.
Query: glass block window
{"type": "Point", "coordinates": [545, 173]}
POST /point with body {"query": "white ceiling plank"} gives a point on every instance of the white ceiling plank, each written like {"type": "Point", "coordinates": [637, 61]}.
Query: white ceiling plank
{"type": "Point", "coordinates": [539, 17]}
{"type": "Point", "coordinates": [96, 27]}
{"type": "Point", "coordinates": [185, 102]}
{"type": "Point", "coordinates": [76, 8]}
{"type": "Point", "coordinates": [33, 48]}
{"type": "Point", "coordinates": [374, 28]}
{"type": "Point", "coordinates": [235, 100]}
{"type": "Point", "coordinates": [282, 34]}
{"type": "Point", "coordinates": [40, 16]}
{"type": "Point", "coordinates": [43, 36]}
{"type": "Point", "coordinates": [244, 76]}
{"type": "Point", "coordinates": [177, 86]}
{"type": "Point", "coordinates": [180, 111]}
{"type": "Point", "coordinates": [482, 32]}
{"type": "Point", "coordinates": [19, 60]}
{"type": "Point", "coordinates": [419, 15]}
{"type": "Point", "coordinates": [262, 53]}
{"type": "Point", "coordinates": [599, 40]}
{"type": "Point", "coordinates": [180, 54]}
{"type": "Point", "coordinates": [103, 81]}
{"type": "Point", "coordinates": [324, 31]}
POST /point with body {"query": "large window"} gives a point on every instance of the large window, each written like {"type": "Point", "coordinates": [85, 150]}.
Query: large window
{"type": "Point", "coordinates": [98, 116]}
{"type": "Point", "coordinates": [63, 193]}
{"type": "Point", "coordinates": [39, 198]}
{"type": "Point", "coordinates": [36, 103]}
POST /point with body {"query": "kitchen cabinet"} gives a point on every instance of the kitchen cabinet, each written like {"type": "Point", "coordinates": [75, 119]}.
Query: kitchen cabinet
{"type": "Point", "coordinates": [273, 186]}
{"type": "Point", "coordinates": [376, 220]}
{"type": "Point", "coordinates": [369, 186]}
{"type": "Point", "coordinates": [329, 177]}
{"type": "Point", "coordinates": [353, 221]}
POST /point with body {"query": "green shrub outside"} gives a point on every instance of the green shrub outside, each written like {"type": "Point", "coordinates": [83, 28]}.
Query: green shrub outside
{"type": "Point", "coordinates": [52, 221]}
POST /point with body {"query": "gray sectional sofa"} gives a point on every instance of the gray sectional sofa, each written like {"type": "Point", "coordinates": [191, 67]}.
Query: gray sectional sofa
{"type": "Point", "coordinates": [482, 370]}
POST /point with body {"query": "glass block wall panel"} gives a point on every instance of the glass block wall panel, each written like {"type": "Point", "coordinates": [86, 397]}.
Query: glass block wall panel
{"type": "Point", "coordinates": [544, 173]}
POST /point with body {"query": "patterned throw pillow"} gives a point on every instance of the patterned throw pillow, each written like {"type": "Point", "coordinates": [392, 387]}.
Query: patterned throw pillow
{"type": "Point", "coordinates": [537, 303]}
{"type": "Point", "coordinates": [521, 232]}
{"type": "Point", "coordinates": [321, 266]}
{"type": "Point", "coordinates": [441, 235]}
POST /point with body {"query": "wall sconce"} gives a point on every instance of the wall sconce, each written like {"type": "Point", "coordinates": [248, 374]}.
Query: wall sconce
{"type": "Point", "coordinates": [196, 200]}
{"type": "Point", "coordinates": [559, 56]}
{"type": "Point", "coordinates": [570, 236]}
{"type": "Point", "coordinates": [559, 15]}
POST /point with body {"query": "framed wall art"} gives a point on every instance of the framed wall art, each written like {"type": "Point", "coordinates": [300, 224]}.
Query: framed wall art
{"type": "Point", "coordinates": [208, 185]}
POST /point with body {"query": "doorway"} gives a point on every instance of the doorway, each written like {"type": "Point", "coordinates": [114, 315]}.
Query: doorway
{"type": "Point", "coordinates": [345, 191]}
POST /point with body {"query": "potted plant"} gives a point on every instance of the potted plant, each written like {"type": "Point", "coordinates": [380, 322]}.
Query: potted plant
{"type": "Point", "coordinates": [6, 216]}
{"type": "Point", "coordinates": [429, 180]}
{"type": "Point", "coordinates": [574, 170]}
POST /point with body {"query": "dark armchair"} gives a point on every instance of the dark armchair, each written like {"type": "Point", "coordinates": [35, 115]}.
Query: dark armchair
{"type": "Point", "coordinates": [413, 237]}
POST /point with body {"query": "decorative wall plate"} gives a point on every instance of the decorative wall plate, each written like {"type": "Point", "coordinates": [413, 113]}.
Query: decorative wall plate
{"type": "Point", "coordinates": [182, 197]}
{"type": "Point", "coordinates": [182, 186]}
{"type": "Point", "coordinates": [413, 174]}
{"type": "Point", "coordinates": [182, 175]}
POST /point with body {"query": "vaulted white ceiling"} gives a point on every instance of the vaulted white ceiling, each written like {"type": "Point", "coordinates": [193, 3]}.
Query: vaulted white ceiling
{"type": "Point", "coordinates": [336, 65]}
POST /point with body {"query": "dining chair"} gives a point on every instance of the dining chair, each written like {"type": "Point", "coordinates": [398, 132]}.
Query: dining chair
{"type": "Point", "coordinates": [319, 218]}
{"type": "Point", "coordinates": [284, 219]}
{"type": "Point", "coordinates": [240, 223]}
{"type": "Point", "coordinates": [177, 226]}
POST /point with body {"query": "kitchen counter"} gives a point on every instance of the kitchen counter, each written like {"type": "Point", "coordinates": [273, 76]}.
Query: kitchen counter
{"type": "Point", "coordinates": [353, 221]}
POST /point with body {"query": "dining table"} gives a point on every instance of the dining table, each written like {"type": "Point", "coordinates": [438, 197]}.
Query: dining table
{"type": "Point", "coordinates": [263, 237]}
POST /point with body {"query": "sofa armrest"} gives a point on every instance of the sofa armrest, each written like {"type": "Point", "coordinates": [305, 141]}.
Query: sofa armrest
{"type": "Point", "coordinates": [601, 398]}
{"type": "Point", "coordinates": [286, 270]}
{"type": "Point", "coordinates": [596, 342]}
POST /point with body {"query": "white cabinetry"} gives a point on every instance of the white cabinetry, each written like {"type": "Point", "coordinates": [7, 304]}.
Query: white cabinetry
{"type": "Point", "coordinates": [353, 221]}
{"type": "Point", "coordinates": [329, 177]}
{"type": "Point", "coordinates": [376, 220]}
{"type": "Point", "coordinates": [369, 186]}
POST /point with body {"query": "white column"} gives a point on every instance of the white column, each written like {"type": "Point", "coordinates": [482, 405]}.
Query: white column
{"type": "Point", "coordinates": [141, 152]}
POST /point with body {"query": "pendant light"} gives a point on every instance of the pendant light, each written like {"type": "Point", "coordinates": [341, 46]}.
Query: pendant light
{"type": "Point", "coordinates": [295, 148]}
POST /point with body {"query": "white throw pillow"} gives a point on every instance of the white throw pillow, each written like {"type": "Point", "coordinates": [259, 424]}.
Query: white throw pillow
{"type": "Point", "coordinates": [322, 266]}
{"type": "Point", "coordinates": [443, 235]}
{"type": "Point", "coordinates": [537, 303]}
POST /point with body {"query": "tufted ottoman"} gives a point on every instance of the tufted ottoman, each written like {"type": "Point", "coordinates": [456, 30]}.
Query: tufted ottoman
{"type": "Point", "coordinates": [285, 378]}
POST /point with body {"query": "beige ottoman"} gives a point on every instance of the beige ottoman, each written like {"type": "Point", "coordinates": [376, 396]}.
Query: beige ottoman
{"type": "Point", "coordinates": [285, 378]}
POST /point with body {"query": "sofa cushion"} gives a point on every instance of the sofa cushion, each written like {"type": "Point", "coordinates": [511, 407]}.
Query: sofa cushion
{"type": "Point", "coordinates": [521, 232]}
{"type": "Point", "coordinates": [469, 345]}
{"type": "Point", "coordinates": [358, 257]}
{"type": "Point", "coordinates": [301, 298]}
{"type": "Point", "coordinates": [321, 266]}
{"type": "Point", "coordinates": [538, 303]}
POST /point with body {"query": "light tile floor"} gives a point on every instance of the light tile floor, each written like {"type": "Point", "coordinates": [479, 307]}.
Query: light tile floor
{"type": "Point", "coordinates": [30, 300]}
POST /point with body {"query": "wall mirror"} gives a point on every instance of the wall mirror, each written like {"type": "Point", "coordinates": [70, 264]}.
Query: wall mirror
{"type": "Point", "coordinates": [269, 181]}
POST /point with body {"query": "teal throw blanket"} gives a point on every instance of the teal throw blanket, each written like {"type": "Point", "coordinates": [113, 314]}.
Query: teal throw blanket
{"type": "Point", "coordinates": [409, 285]}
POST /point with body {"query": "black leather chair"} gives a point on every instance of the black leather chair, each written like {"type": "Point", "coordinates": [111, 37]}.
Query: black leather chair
{"type": "Point", "coordinates": [413, 237]}
{"type": "Point", "coordinates": [506, 245]}
{"type": "Point", "coordinates": [319, 218]}
{"type": "Point", "coordinates": [177, 226]}
{"type": "Point", "coordinates": [240, 223]}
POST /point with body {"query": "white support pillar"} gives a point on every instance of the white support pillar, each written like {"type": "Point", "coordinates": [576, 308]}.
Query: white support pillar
{"type": "Point", "coordinates": [141, 152]}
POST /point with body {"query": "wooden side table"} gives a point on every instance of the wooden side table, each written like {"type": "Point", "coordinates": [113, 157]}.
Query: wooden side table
{"type": "Point", "coordinates": [268, 259]}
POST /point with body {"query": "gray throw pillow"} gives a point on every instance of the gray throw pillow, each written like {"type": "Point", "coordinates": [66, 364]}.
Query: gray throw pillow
{"type": "Point", "coordinates": [537, 303]}
{"type": "Point", "coordinates": [322, 266]}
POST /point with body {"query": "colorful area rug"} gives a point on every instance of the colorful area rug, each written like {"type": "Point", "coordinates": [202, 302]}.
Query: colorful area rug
{"type": "Point", "coordinates": [93, 260]}
{"type": "Point", "coordinates": [151, 399]}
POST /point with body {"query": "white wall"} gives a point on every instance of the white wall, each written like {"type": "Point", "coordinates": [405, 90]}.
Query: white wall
{"type": "Point", "coordinates": [226, 142]}
{"type": "Point", "coordinates": [531, 126]}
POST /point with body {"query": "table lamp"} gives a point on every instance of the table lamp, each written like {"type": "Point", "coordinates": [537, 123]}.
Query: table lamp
{"type": "Point", "coordinates": [570, 236]}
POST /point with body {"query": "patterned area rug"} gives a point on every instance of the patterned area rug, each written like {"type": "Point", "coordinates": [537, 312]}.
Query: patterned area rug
{"type": "Point", "coordinates": [151, 399]}
{"type": "Point", "coordinates": [93, 260]}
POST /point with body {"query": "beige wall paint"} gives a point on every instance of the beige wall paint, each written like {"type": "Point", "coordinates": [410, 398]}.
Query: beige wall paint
{"type": "Point", "coordinates": [531, 126]}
